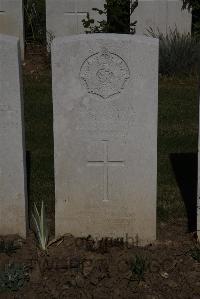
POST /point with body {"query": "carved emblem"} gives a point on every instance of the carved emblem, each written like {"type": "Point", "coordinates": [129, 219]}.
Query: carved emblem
{"type": "Point", "coordinates": [104, 74]}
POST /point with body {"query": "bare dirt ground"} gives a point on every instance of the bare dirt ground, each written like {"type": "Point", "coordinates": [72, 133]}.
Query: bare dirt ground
{"type": "Point", "coordinates": [37, 61]}
{"type": "Point", "coordinates": [81, 268]}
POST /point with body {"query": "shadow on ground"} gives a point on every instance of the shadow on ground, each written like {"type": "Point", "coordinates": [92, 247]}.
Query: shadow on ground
{"type": "Point", "coordinates": [185, 169]}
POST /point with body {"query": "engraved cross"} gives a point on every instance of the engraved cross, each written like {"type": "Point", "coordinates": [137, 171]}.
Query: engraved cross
{"type": "Point", "coordinates": [105, 163]}
{"type": "Point", "coordinates": [76, 13]}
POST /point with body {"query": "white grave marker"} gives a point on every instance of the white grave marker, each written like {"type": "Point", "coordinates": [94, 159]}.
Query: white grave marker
{"type": "Point", "coordinates": [64, 17]}
{"type": "Point", "coordinates": [161, 15]}
{"type": "Point", "coordinates": [11, 20]}
{"type": "Point", "coordinates": [105, 135]}
{"type": "Point", "coordinates": [12, 157]}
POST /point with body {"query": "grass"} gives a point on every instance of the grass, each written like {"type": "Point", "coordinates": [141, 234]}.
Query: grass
{"type": "Point", "coordinates": [178, 53]}
{"type": "Point", "coordinates": [39, 141]}
{"type": "Point", "coordinates": [195, 253]}
{"type": "Point", "coordinates": [138, 267]}
{"type": "Point", "coordinates": [177, 134]}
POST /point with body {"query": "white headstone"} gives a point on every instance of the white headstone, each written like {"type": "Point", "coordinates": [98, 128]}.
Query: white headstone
{"type": "Point", "coordinates": [64, 17]}
{"type": "Point", "coordinates": [11, 20]}
{"type": "Point", "coordinates": [12, 157]}
{"type": "Point", "coordinates": [105, 134]}
{"type": "Point", "coordinates": [161, 15]}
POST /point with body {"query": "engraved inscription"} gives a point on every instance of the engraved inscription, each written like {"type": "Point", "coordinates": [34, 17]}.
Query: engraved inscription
{"type": "Point", "coordinates": [105, 119]}
{"type": "Point", "coordinates": [104, 74]}
{"type": "Point", "coordinates": [105, 163]}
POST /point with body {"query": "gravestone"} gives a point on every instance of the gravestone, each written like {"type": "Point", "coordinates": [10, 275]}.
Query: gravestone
{"type": "Point", "coordinates": [161, 15]}
{"type": "Point", "coordinates": [12, 158]}
{"type": "Point", "coordinates": [11, 20]}
{"type": "Point", "coordinates": [105, 135]}
{"type": "Point", "coordinates": [64, 17]}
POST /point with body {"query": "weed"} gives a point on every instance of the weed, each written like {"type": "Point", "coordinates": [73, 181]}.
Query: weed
{"type": "Point", "coordinates": [8, 247]}
{"type": "Point", "coordinates": [138, 267]}
{"type": "Point", "coordinates": [195, 253]}
{"type": "Point", "coordinates": [13, 277]}
{"type": "Point", "coordinates": [40, 224]}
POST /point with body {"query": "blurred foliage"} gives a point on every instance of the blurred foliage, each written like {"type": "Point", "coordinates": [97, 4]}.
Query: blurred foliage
{"type": "Point", "coordinates": [179, 54]}
{"type": "Point", "coordinates": [194, 6]}
{"type": "Point", "coordinates": [115, 18]}
{"type": "Point", "coordinates": [35, 19]}
{"type": "Point", "coordinates": [191, 4]}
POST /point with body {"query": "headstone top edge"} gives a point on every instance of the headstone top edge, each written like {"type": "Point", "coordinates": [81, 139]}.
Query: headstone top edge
{"type": "Point", "coordinates": [159, 0]}
{"type": "Point", "coordinates": [105, 36]}
{"type": "Point", "coordinates": [9, 38]}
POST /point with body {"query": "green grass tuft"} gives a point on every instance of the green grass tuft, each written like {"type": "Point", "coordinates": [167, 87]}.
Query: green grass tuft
{"type": "Point", "coordinates": [179, 54]}
{"type": "Point", "coordinates": [195, 253]}
{"type": "Point", "coordinates": [138, 267]}
{"type": "Point", "coordinates": [13, 277]}
{"type": "Point", "coordinates": [40, 225]}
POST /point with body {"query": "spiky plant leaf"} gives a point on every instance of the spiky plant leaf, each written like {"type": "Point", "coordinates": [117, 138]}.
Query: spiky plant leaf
{"type": "Point", "coordinates": [40, 225]}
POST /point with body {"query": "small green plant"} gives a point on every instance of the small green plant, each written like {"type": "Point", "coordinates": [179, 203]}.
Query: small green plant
{"type": "Point", "coordinates": [179, 54]}
{"type": "Point", "coordinates": [8, 247]}
{"type": "Point", "coordinates": [195, 253]}
{"type": "Point", "coordinates": [116, 18]}
{"type": "Point", "coordinates": [13, 277]}
{"type": "Point", "coordinates": [40, 225]}
{"type": "Point", "coordinates": [138, 267]}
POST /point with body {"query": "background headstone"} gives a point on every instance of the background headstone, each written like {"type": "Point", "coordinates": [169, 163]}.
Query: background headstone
{"type": "Point", "coordinates": [12, 157]}
{"type": "Point", "coordinates": [163, 15]}
{"type": "Point", "coordinates": [105, 135]}
{"type": "Point", "coordinates": [11, 20]}
{"type": "Point", "coordinates": [64, 17]}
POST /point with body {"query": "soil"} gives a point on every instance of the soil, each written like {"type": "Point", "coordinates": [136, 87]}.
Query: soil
{"type": "Point", "coordinates": [82, 268]}
{"type": "Point", "coordinates": [108, 269]}
{"type": "Point", "coordinates": [37, 61]}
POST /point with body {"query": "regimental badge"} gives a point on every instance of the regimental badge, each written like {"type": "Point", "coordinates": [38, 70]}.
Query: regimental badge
{"type": "Point", "coordinates": [104, 74]}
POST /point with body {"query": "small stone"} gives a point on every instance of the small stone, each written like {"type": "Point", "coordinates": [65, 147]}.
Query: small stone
{"type": "Point", "coordinates": [164, 274]}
